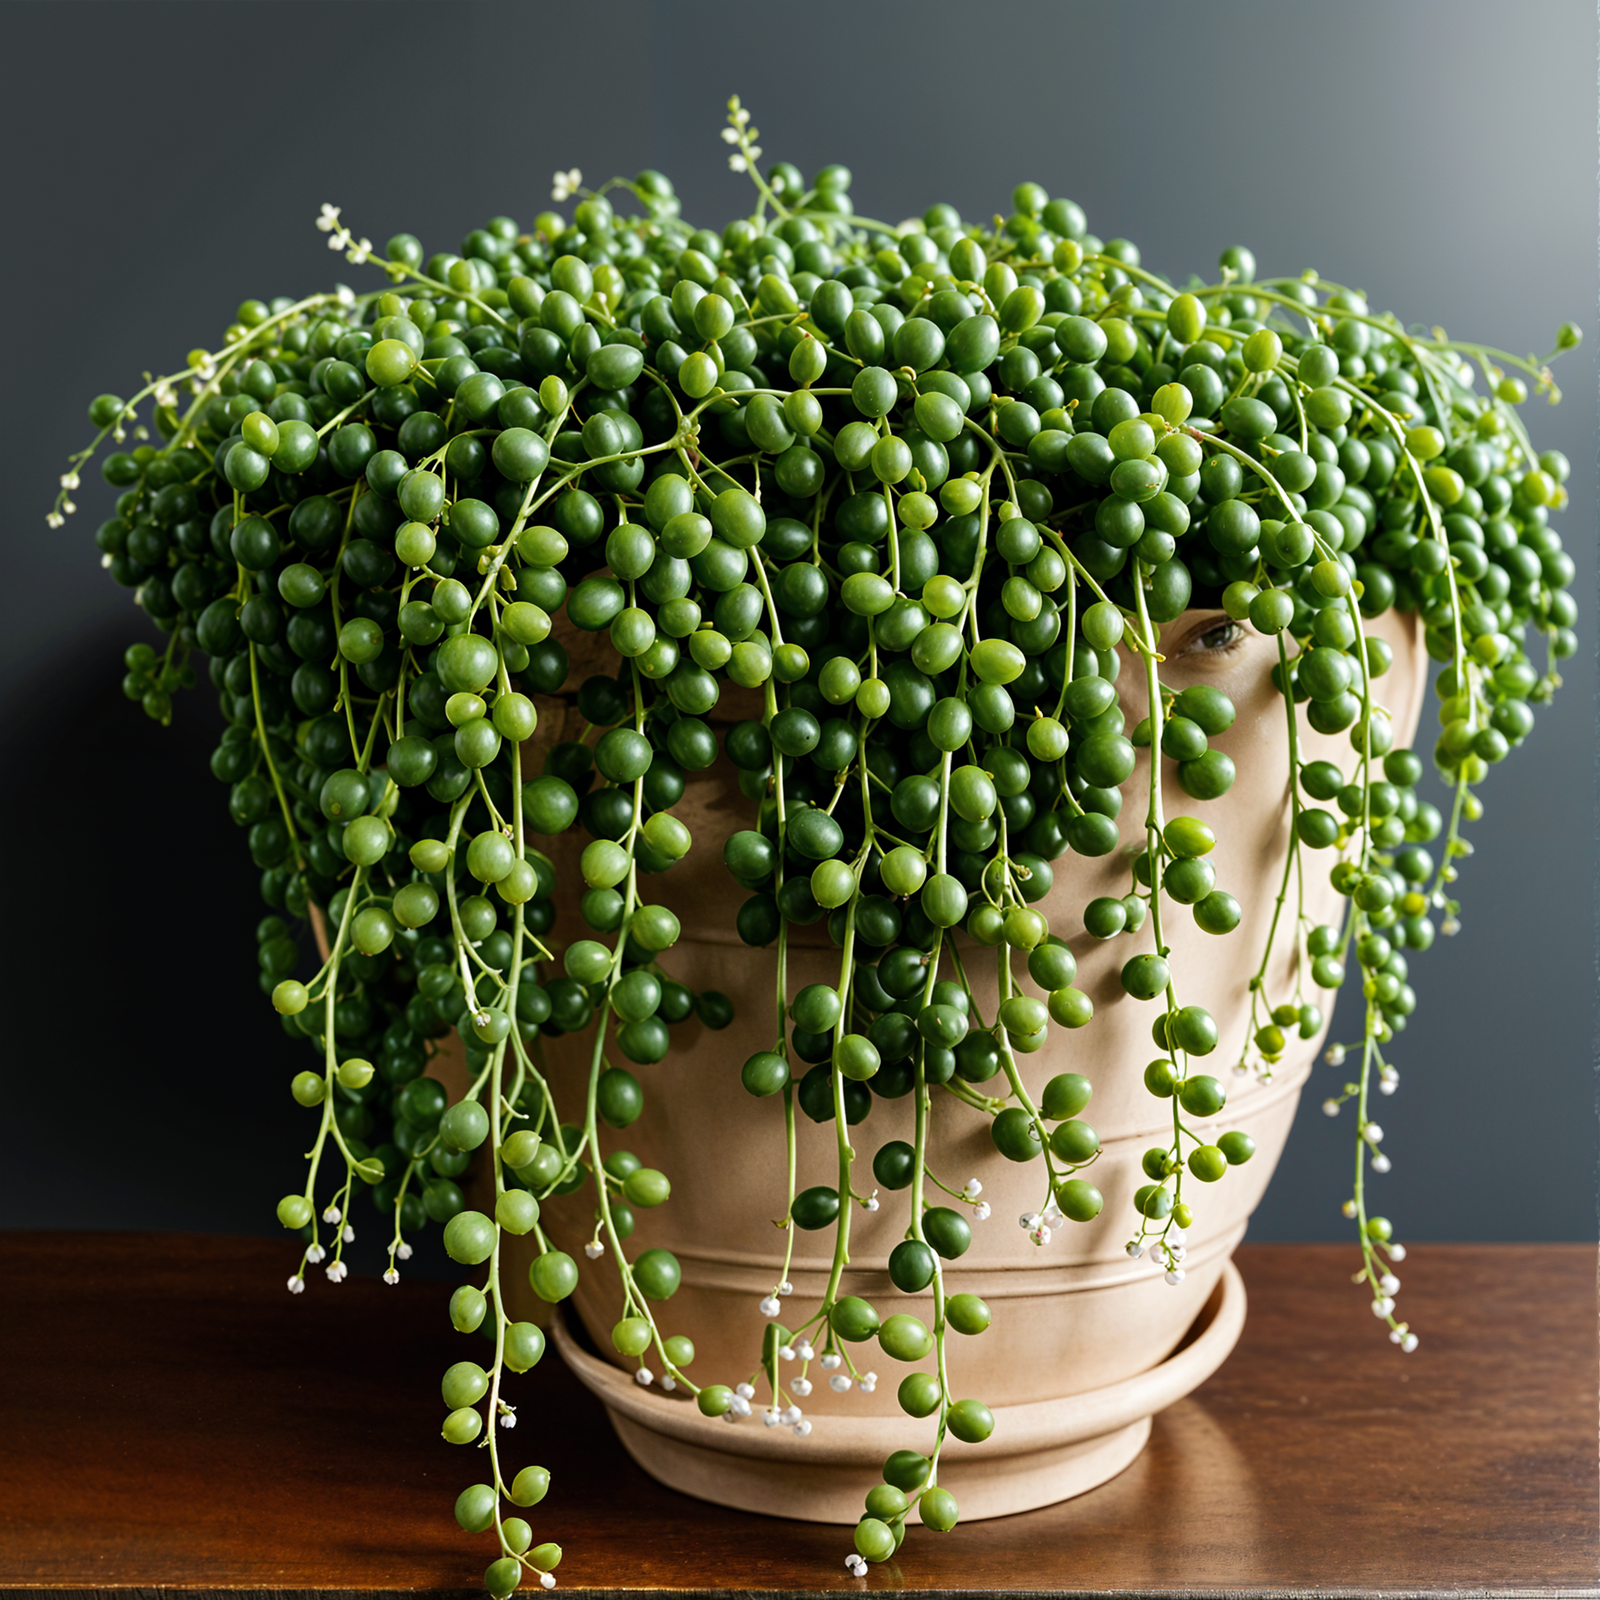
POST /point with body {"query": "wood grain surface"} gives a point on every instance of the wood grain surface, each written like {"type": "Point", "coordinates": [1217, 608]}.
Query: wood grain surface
{"type": "Point", "coordinates": [172, 1420]}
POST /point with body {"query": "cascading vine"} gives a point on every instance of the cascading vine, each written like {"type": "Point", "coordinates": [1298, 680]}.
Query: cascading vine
{"type": "Point", "coordinates": [928, 489]}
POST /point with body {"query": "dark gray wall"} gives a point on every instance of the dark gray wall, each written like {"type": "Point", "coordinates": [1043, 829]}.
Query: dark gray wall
{"type": "Point", "coordinates": [165, 160]}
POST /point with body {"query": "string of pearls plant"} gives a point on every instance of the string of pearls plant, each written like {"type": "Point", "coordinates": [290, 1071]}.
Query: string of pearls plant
{"type": "Point", "coordinates": [914, 485]}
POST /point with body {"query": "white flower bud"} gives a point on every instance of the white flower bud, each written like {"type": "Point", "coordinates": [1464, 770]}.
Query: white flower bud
{"type": "Point", "coordinates": [771, 1416]}
{"type": "Point", "coordinates": [1134, 1249]}
{"type": "Point", "coordinates": [1372, 1133]}
{"type": "Point", "coordinates": [786, 1352]}
{"type": "Point", "coordinates": [801, 1387]}
{"type": "Point", "coordinates": [981, 1211]}
{"type": "Point", "coordinates": [1330, 1108]}
{"type": "Point", "coordinates": [297, 1284]}
{"type": "Point", "coordinates": [831, 1360]}
{"type": "Point", "coordinates": [840, 1382]}
{"type": "Point", "coordinates": [1381, 1163]}
{"type": "Point", "coordinates": [803, 1348]}
{"type": "Point", "coordinates": [547, 1580]}
{"type": "Point", "coordinates": [1382, 1307]}
{"type": "Point", "coordinates": [770, 1307]}
{"type": "Point", "coordinates": [644, 1377]}
{"type": "Point", "coordinates": [1389, 1283]}
{"type": "Point", "coordinates": [971, 1189]}
{"type": "Point", "coordinates": [740, 1407]}
{"type": "Point", "coordinates": [790, 1416]}
{"type": "Point", "coordinates": [391, 1276]}
{"type": "Point", "coordinates": [331, 1214]}
{"type": "Point", "coordinates": [1028, 1221]}
{"type": "Point", "coordinates": [803, 1428]}
{"type": "Point", "coordinates": [669, 1384]}
{"type": "Point", "coordinates": [1409, 1343]}
{"type": "Point", "coordinates": [1174, 1276]}
{"type": "Point", "coordinates": [594, 1249]}
{"type": "Point", "coordinates": [1397, 1251]}
{"type": "Point", "coordinates": [404, 1252]}
{"type": "Point", "coordinates": [745, 1392]}
{"type": "Point", "coordinates": [785, 1287]}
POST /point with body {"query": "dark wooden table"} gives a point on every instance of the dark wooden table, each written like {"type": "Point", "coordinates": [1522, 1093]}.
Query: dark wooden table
{"type": "Point", "coordinates": [172, 1420]}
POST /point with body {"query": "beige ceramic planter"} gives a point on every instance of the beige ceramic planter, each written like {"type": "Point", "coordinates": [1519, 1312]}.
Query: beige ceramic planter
{"type": "Point", "coordinates": [1086, 1343]}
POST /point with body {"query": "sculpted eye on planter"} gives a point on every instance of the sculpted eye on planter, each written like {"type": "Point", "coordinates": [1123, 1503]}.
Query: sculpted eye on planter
{"type": "Point", "coordinates": [803, 745]}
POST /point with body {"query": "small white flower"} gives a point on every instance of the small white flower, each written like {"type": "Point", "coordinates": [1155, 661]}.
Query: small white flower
{"type": "Point", "coordinates": [1040, 1235]}
{"type": "Point", "coordinates": [1134, 1249]}
{"type": "Point", "coordinates": [868, 1382]}
{"type": "Point", "coordinates": [360, 253]}
{"type": "Point", "coordinates": [1395, 1336]}
{"type": "Point", "coordinates": [69, 506]}
{"type": "Point", "coordinates": [1388, 1085]}
{"type": "Point", "coordinates": [1330, 1108]}
{"type": "Point", "coordinates": [69, 480]}
{"type": "Point", "coordinates": [1382, 1307]}
{"type": "Point", "coordinates": [563, 185]}
{"type": "Point", "coordinates": [730, 136]}
{"type": "Point", "coordinates": [755, 150]}
{"type": "Point", "coordinates": [344, 294]}
{"type": "Point", "coordinates": [831, 1360]}
{"type": "Point", "coordinates": [741, 116]}
{"type": "Point", "coordinates": [802, 1428]}
{"type": "Point", "coordinates": [1334, 1055]}
{"type": "Point", "coordinates": [771, 1306]}
{"type": "Point", "coordinates": [840, 1382]}
{"type": "Point", "coordinates": [594, 1249]}
{"type": "Point", "coordinates": [737, 163]}
{"type": "Point", "coordinates": [404, 1251]}
{"type": "Point", "coordinates": [1348, 1209]}
{"type": "Point", "coordinates": [871, 1202]}
{"type": "Point", "coordinates": [547, 1580]}
{"type": "Point", "coordinates": [740, 1406]}
{"type": "Point", "coordinates": [804, 1349]}
{"type": "Point", "coordinates": [971, 1189]}
{"type": "Point", "coordinates": [1158, 1253]}
{"type": "Point", "coordinates": [669, 1384]}
{"type": "Point", "coordinates": [391, 1277]}
{"type": "Point", "coordinates": [745, 1392]}
{"type": "Point", "coordinates": [772, 1416]}
{"type": "Point", "coordinates": [508, 1419]}
{"type": "Point", "coordinates": [1176, 1236]}
{"type": "Point", "coordinates": [329, 218]}
{"type": "Point", "coordinates": [1397, 1251]}
{"type": "Point", "coordinates": [790, 1416]}
{"type": "Point", "coordinates": [982, 1212]}
{"type": "Point", "coordinates": [1372, 1133]}
{"type": "Point", "coordinates": [854, 1565]}
{"type": "Point", "coordinates": [1450, 927]}
{"type": "Point", "coordinates": [1389, 1283]}
{"type": "Point", "coordinates": [1409, 1343]}
{"type": "Point", "coordinates": [164, 395]}
{"type": "Point", "coordinates": [297, 1284]}
{"type": "Point", "coordinates": [1053, 1217]}
{"type": "Point", "coordinates": [1240, 1069]}
{"type": "Point", "coordinates": [1381, 1163]}
{"type": "Point", "coordinates": [1028, 1221]}
{"type": "Point", "coordinates": [644, 1377]}
{"type": "Point", "coordinates": [55, 520]}
{"type": "Point", "coordinates": [337, 1271]}
{"type": "Point", "coordinates": [801, 1387]}
{"type": "Point", "coordinates": [331, 1214]}
{"type": "Point", "coordinates": [105, 561]}
{"type": "Point", "coordinates": [1174, 1276]}
{"type": "Point", "coordinates": [785, 1287]}
{"type": "Point", "coordinates": [339, 239]}
{"type": "Point", "coordinates": [349, 1234]}
{"type": "Point", "coordinates": [315, 1253]}
{"type": "Point", "coordinates": [786, 1352]}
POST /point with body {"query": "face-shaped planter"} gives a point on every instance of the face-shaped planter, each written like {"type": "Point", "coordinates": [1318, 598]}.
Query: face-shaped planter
{"type": "Point", "coordinates": [1081, 1349]}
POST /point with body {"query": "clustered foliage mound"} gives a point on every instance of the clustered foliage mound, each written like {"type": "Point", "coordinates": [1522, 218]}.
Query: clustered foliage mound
{"type": "Point", "coordinates": [915, 485]}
